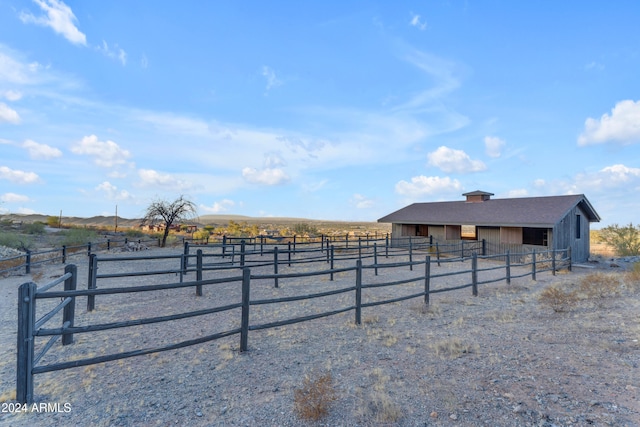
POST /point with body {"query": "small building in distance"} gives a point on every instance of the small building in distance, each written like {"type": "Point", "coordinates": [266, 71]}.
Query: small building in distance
{"type": "Point", "coordinates": [517, 224]}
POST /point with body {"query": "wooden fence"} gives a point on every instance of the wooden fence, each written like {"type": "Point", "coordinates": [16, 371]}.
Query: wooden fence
{"type": "Point", "coordinates": [30, 328]}
{"type": "Point", "coordinates": [33, 258]}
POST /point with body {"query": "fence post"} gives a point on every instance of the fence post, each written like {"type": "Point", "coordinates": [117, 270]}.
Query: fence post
{"type": "Point", "coordinates": [294, 242]}
{"type": "Point", "coordinates": [462, 250]}
{"type": "Point", "coordinates": [375, 257]}
{"type": "Point", "coordinates": [275, 265]}
{"type": "Point", "coordinates": [346, 240]}
{"type": "Point", "coordinates": [91, 283]}
{"type": "Point", "coordinates": [224, 245]}
{"type": "Point", "coordinates": [569, 256]}
{"type": "Point", "coordinates": [358, 292]}
{"type": "Point", "coordinates": [64, 254]}
{"type": "Point", "coordinates": [427, 279]}
{"type": "Point", "coordinates": [27, 268]}
{"type": "Point", "coordinates": [199, 272]}
{"type": "Point", "coordinates": [108, 244]}
{"type": "Point", "coordinates": [360, 248]}
{"type": "Point", "coordinates": [26, 322]}
{"type": "Point", "coordinates": [533, 265]}
{"type": "Point", "coordinates": [386, 246]}
{"type": "Point", "coordinates": [553, 262]}
{"type": "Point", "coordinates": [508, 267]}
{"type": "Point", "coordinates": [185, 259]}
{"type": "Point", "coordinates": [331, 266]}
{"type": "Point", "coordinates": [474, 274]}
{"type": "Point", "coordinates": [438, 254]}
{"type": "Point", "coordinates": [242, 250]}
{"type": "Point", "coordinates": [289, 253]}
{"type": "Point", "coordinates": [244, 327]}
{"type": "Point", "coordinates": [484, 247]}
{"type": "Point", "coordinates": [261, 245]}
{"type": "Point", "coordinates": [89, 249]}
{"type": "Point", "coordinates": [69, 311]}
{"type": "Point", "coordinates": [410, 254]}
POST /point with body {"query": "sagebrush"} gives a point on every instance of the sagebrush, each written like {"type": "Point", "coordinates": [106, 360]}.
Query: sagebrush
{"type": "Point", "coordinates": [313, 399]}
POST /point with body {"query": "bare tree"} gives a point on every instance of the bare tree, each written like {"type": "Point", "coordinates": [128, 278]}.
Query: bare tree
{"type": "Point", "coordinates": [167, 213]}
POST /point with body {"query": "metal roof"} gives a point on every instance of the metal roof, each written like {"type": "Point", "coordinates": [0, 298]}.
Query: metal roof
{"type": "Point", "coordinates": [516, 212]}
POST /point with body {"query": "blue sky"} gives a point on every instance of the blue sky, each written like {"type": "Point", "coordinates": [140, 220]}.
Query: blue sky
{"type": "Point", "coordinates": [325, 110]}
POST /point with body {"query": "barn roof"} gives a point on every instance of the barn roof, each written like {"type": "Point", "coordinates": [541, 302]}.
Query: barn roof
{"type": "Point", "coordinates": [514, 212]}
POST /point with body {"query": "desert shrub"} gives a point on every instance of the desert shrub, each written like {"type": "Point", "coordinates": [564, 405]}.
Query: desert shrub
{"type": "Point", "coordinates": [625, 239]}
{"type": "Point", "coordinates": [6, 223]}
{"type": "Point", "coordinates": [312, 400]}
{"type": "Point", "coordinates": [632, 277]}
{"type": "Point", "coordinates": [452, 348]}
{"type": "Point", "coordinates": [15, 241]}
{"type": "Point", "coordinates": [202, 235]}
{"type": "Point", "coordinates": [33, 228]}
{"type": "Point", "coordinates": [304, 229]}
{"type": "Point", "coordinates": [600, 285]}
{"type": "Point", "coordinates": [134, 233]}
{"type": "Point", "coordinates": [78, 236]}
{"type": "Point", "coordinates": [53, 221]}
{"type": "Point", "coordinates": [557, 299]}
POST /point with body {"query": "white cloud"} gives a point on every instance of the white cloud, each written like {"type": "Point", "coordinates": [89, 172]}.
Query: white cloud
{"type": "Point", "coordinates": [417, 22]}
{"type": "Point", "coordinates": [451, 160]}
{"type": "Point", "coordinates": [106, 154]}
{"type": "Point", "coordinates": [112, 191]}
{"type": "Point", "coordinates": [623, 125]}
{"type": "Point", "coordinates": [18, 176]}
{"type": "Point", "coordinates": [59, 17]}
{"type": "Point", "coordinates": [8, 114]}
{"type": "Point", "coordinates": [519, 192]}
{"type": "Point", "coordinates": [41, 151]}
{"type": "Point", "coordinates": [270, 75]}
{"type": "Point", "coordinates": [361, 202]}
{"type": "Point", "coordinates": [266, 176]}
{"type": "Point", "coordinates": [12, 95]}
{"type": "Point", "coordinates": [493, 146]}
{"type": "Point", "coordinates": [218, 207]}
{"type": "Point", "coordinates": [115, 53]}
{"type": "Point", "coordinates": [427, 185]}
{"type": "Point", "coordinates": [152, 178]}
{"type": "Point", "coordinates": [14, 198]}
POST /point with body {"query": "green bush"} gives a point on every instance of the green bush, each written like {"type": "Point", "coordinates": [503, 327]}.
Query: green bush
{"type": "Point", "coordinates": [78, 236]}
{"type": "Point", "coordinates": [33, 228]}
{"type": "Point", "coordinates": [625, 239]}
{"type": "Point", "coordinates": [15, 241]}
{"type": "Point", "coordinates": [132, 232]}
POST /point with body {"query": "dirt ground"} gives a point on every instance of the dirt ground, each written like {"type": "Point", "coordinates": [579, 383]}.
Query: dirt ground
{"type": "Point", "coordinates": [502, 358]}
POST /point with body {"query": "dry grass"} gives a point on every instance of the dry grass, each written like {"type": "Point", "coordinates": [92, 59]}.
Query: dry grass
{"type": "Point", "coordinates": [600, 285]}
{"type": "Point", "coordinates": [378, 406]}
{"type": "Point", "coordinates": [558, 299]}
{"type": "Point", "coordinates": [313, 399]}
{"type": "Point", "coordinates": [452, 348]}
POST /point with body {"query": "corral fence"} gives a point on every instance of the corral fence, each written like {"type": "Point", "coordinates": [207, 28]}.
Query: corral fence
{"type": "Point", "coordinates": [30, 259]}
{"type": "Point", "coordinates": [31, 328]}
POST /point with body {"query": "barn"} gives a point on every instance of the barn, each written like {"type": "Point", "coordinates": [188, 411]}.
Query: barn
{"type": "Point", "coordinates": [520, 224]}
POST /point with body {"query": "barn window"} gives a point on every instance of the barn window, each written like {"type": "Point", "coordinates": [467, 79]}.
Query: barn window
{"type": "Point", "coordinates": [468, 232]}
{"type": "Point", "coordinates": [578, 223]}
{"type": "Point", "coordinates": [534, 236]}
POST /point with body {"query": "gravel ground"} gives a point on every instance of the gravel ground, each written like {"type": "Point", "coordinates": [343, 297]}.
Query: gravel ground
{"type": "Point", "coordinates": [499, 359]}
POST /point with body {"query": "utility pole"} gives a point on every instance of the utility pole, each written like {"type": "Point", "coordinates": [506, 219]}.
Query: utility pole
{"type": "Point", "coordinates": [115, 230]}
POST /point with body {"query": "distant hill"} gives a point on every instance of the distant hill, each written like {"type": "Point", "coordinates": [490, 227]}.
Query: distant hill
{"type": "Point", "coordinates": [219, 220]}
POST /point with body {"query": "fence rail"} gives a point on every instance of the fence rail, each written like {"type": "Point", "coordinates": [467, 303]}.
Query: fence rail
{"type": "Point", "coordinates": [30, 329]}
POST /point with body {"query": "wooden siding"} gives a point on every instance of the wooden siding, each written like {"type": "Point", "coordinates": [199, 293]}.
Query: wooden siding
{"type": "Point", "coordinates": [453, 232]}
{"type": "Point", "coordinates": [511, 235]}
{"type": "Point", "coordinates": [565, 235]}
